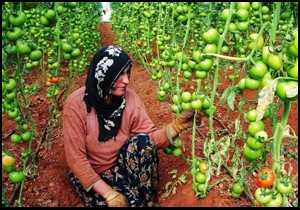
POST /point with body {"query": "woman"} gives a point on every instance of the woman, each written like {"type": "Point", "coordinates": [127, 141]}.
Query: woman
{"type": "Point", "coordinates": [110, 142]}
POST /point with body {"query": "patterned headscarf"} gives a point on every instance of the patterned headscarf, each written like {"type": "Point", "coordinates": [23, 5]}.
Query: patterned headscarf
{"type": "Point", "coordinates": [108, 63]}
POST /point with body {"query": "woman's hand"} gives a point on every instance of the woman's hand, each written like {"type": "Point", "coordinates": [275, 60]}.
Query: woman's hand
{"type": "Point", "coordinates": [185, 120]}
{"type": "Point", "coordinates": [115, 199]}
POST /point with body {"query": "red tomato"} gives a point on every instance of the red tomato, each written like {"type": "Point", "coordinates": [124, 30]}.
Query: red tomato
{"type": "Point", "coordinates": [265, 178]}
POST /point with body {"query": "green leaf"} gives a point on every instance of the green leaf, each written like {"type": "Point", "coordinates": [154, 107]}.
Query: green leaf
{"type": "Point", "coordinates": [231, 99]}
{"type": "Point", "coordinates": [225, 95]}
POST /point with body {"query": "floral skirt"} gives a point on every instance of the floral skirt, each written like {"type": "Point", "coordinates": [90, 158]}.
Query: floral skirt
{"type": "Point", "coordinates": [134, 174]}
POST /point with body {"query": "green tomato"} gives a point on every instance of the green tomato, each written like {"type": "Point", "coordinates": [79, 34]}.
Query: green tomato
{"type": "Point", "coordinates": [293, 72]}
{"type": "Point", "coordinates": [235, 195]}
{"type": "Point", "coordinates": [210, 48]}
{"type": "Point", "coordinates": [10, 85]}
{"type": "Point", "coordinates": [263, 195]}
{"type": "Point", "coordinates": [66, 47]}
{"type": "Point", "coordinates": [23, 48]}
{"type": "Point", "coordinates": [176, 99]}
{"type": "Point", "coordinates": [275, 61]}
{"type": "Point", "coordinates": [76, 52]}
{"type": "Point", "coordinates": [11, 95]}
{"type": "Point", "coordinates": [206, 64]}
{"type": "Point", "coordinates": [200, 177]}
{"type": "Point", "coordinates": [200, 187]}
{"type": "Point", "coordinates": [177, 152]}
{"type": "Point", "coordinates": [241, 84]}
{"type": "Point", "coordinates": [251, 154]}
{"type": "Point", "coordinates": [265, 54]}
{"type": "Point", "coordinates": [196, 104]}
{"type": "Point", "coordinates": [232, 27]}
{"type": "Point", "coordinates": [242, 26]}
{"type": "Point", "coordinates": [16, 176]}
{"type": "Point", "coordinates": [253, 143]}
{"type": "Point", "coordinates": [275, 201]}
{"type": "Point", "coordinates": [16, 138]}
{"type": "Point", "coordinates": [284, 187]}
{"type": "Point", "coordinates": [210, 111]}
{"type": "Point", "coordinates": [252, 84]}
{"type": "Point", "coordinates": [196, 56]}
{"type": "Point", "coordinates": [166, 86]}
{"type": "Point", "coordinates": [211, 36]}
{"type": "Point", "coordinates": [237, 187]}
{"type": "Point", "coordinates": [185, 105]}
{"type": "Point", "coordinates": [258, 70]}
{"type": "Point", "coordinates": [286, 90]}
{"type": "Point", "coordinates": [251, 115]}
{"type": "Point", "coordinates": [13, 112]}
{"type": "Point", "coordinates": [254, 127]}
{"type": "Point", "coordinates": [205, 103]}
{"type": "Point", "coordinates": [26, 136]}
{"type": "Point", "coordinates": [200, 74]}
{"type": "Point", "coordinates": [17, 20]}
{"type": "Point", "coordinates": [175, 108]}
{"type": "Point", "coordinates": [243, 5]}
{"type": "Point", "coordinates": [161, 95]}
{"type": "Point", "coordinates": [256, 5]}
{"type": "Point", "coordinates": [261, 136]}
{"type": "Point", "coordinates": [186, 96]}
{"type": "Point", "coordinates": [242, 14]}
{"type": "Point", "coordinates": [14, 35]}
{"type": "Point", "coordinates": [168, 150]}
{"type": "Point", "coordinates": [224, 14]}
{"type": "Point", "coordinates": [8, 169]}
{"type": "Point", "coordinates": [35, 55]}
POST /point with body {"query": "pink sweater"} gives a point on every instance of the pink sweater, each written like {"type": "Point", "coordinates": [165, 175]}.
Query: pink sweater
{"type": "Point", "coordinates": [86, 156]}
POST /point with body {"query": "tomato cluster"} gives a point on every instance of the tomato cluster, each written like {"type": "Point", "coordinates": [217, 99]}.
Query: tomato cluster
{"type": "Point", "coordinates": [9, 166]}
{"type": "Point", "coordinates": [272, 197]}
{"type": "Point", "coordinates": [199, 177]}
{"type": "Point", "coordinates": [237, 189]}
{"type": "Point", "coordinates": [174, 149]}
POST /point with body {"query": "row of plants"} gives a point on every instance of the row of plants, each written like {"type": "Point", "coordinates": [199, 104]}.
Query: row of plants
{"type": "Point", "coordinates": [54, 42]}
{"type": "Point", "coordinates": [185, 46]}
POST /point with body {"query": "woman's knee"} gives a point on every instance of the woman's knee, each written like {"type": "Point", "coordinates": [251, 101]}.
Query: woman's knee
{"type": "Point", "coordinates": [143, 141]}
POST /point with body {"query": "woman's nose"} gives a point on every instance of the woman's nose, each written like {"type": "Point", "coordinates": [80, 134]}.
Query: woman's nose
{"type": "Point", "coordinates": [125, 78]}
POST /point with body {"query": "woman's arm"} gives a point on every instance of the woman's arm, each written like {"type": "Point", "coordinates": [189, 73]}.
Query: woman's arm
{"type": "Point", "coordinates": [74, 144]}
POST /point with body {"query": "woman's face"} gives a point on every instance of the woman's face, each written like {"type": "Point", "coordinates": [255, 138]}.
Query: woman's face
{"type": "Point", "coordinates": [121, 83]}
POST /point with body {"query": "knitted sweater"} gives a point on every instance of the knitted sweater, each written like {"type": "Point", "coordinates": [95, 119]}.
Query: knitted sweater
{"type": "Point", "coordinates": [85, 155]}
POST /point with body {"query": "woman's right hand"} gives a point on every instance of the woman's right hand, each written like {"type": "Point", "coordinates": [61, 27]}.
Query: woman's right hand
{"type": "Point", "coordinates": [115, 199]}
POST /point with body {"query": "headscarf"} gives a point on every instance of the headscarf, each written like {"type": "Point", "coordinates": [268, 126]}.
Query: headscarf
{"type": "Point", "coordinates": [107, 64]}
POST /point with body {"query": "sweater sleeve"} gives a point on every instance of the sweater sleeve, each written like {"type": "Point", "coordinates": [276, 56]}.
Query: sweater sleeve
{"type": "Point", "coordinates": [74, 123]}
{"type": "Point", "coordinates": [143, 124]}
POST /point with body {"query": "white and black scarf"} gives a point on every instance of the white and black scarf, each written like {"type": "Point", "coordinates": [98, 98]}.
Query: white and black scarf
{"type": "Point", "coordinates": [107, 64]}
